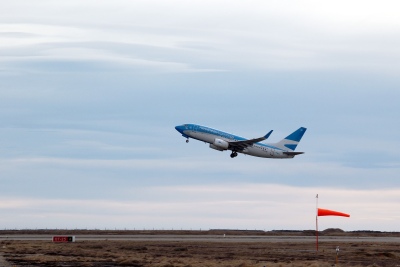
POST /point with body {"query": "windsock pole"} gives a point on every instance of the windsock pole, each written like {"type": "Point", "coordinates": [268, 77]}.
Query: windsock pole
{"type": "Point", "coordinates": [316, 222]}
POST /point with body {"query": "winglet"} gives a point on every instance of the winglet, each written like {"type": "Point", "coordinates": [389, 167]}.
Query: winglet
{"type": "Point", "coordinates": [268, 134]}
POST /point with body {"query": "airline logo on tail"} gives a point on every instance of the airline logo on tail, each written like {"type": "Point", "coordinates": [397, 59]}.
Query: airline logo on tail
{"type": "Point", "coordinates": [221, 141]}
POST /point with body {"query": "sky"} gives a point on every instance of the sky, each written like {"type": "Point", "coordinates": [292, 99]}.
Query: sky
{"type": "Point", "coordinates": [90, 93]}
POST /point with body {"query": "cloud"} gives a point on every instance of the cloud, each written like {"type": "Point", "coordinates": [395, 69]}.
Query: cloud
{"type": "Point", "coordinates": [38, 47]}
{"type": "Point", "coordinates": [275, 36]}
{"type": "Point", "coordinates": [243, 206]}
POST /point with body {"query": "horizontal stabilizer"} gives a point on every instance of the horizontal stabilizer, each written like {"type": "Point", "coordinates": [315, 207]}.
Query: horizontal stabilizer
{"type": "Point", "coordinates": [293, 153]}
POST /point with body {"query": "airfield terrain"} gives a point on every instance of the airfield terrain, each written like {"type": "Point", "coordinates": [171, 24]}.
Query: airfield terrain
{"type": "Point", "coordinates": [199, 248]}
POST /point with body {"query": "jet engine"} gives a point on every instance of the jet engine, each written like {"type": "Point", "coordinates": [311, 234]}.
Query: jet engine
{"type": "Point", "coordinates": [219, 145]}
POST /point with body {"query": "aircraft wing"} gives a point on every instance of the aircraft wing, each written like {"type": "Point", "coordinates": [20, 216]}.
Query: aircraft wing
{"type": "Point", "coordinates": [240, 145]}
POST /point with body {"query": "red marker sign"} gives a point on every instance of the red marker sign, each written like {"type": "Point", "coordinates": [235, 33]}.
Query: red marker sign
{"type": "Point", "coordinates": [63, 239]}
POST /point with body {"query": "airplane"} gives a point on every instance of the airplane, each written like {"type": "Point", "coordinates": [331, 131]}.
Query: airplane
{"type": "Point", "coordinates": [221, 141]}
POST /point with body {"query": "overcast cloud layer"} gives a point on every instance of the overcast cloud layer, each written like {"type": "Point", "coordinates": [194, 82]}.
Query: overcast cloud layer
{"type": "Point", "coordinates": [90, 93]}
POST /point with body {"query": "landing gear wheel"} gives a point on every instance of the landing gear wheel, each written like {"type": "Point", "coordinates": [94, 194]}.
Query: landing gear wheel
{"type": "Point", "coordinates": [187, 140]}
{"type": "Point", "coordinates": [234, 154]}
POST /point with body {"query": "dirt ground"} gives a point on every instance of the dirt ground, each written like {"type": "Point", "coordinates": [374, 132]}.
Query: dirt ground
{"type": "Point", "coordinates": [193, 254]}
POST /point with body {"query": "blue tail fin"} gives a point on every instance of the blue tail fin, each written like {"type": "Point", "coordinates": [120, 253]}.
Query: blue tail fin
{"type": "Point", "coordinates": [292, 140]}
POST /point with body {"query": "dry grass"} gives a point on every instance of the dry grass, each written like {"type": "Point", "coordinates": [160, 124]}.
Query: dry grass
{"type": "Point", "coordinates": [197, 254]}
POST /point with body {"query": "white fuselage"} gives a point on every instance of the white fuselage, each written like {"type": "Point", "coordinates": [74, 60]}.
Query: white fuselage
{"type": "Point", "coordinates": [209, 135]}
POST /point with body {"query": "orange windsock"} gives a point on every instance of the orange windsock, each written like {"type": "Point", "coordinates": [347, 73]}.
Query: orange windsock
{"type": "Point", "coordinates": [324, 212]}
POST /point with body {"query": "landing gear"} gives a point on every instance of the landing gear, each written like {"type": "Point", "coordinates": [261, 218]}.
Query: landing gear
{"type": "Point", "coordinates": [234, 154]}
{"type": "Point", "coordinates": [187, 140]}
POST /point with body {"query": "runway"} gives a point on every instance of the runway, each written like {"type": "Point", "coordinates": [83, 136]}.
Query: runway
{"type": "Point", "coordinates": [208, 238]}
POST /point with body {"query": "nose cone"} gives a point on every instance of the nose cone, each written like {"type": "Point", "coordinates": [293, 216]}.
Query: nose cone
{"type": "Point", "coordinates": [179, 128]}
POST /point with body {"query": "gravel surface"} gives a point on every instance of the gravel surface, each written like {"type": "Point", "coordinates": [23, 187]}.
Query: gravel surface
{"type": "Point", "coordinates": [3, 262]}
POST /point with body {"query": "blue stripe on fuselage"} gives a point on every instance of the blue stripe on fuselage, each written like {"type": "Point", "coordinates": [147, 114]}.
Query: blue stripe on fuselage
{"type": "Point", "coordinates": [208, 130]}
